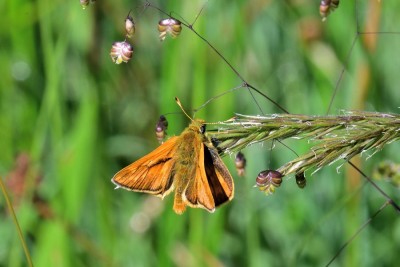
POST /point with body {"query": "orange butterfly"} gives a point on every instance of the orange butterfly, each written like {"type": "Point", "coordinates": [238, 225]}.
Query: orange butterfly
{"type": "Point", "coordinates": [188, 164]}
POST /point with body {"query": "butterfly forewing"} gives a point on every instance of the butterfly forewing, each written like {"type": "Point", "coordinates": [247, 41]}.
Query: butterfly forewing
{"type": "Point", "coordinates": [152, 173]}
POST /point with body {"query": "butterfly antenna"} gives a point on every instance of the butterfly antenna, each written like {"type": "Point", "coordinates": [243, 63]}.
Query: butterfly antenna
{"type": "Point", "coordinates": [180, 105]}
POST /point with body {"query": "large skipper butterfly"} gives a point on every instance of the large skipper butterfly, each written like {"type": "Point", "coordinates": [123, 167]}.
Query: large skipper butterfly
{"type": "Point", "coordinates": [188, 164]}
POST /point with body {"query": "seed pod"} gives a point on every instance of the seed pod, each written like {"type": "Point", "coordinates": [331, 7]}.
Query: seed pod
{"type": "Point", "coordinates": [387, 171]}
{"type": "Point", "coordinates": [129, 26]}
{"type": "Point", "coordinates": [169, 26]}
{"type": "Point", "coordinates": [301, 180]}
{"type": "Point", "coordinates": [161, 128]}
{"type": "Point", "coordinates": [327, 6]}
{"type": "Point", "coordinates": [84, 3]}
{"type": "Point", "coordinates": [121, 52]}
{"type": "Point", "coordinates": [268, 180]}
{"type": "Point", "coordinates": [240, 163]}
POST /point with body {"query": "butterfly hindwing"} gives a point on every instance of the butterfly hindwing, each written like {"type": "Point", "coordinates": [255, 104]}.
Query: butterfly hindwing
{"type": "Point", "coordinates": [198, 192]}
{"type": "Point", "coordinates": [218, 175]}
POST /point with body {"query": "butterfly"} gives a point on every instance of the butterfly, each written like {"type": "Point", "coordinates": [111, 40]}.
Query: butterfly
{"type": "Point", "coordinates": [188, 164]}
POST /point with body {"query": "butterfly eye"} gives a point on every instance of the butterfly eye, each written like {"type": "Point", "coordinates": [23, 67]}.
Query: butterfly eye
{"type": "Point", "coordinates": [327, 6]}
{"type": "Point", "coordinates": [240, 163]}
{"type": "Point", "coordinates": [121, 52]}
{"type": "Point", "coordinates": [129, 26]}
{"type": "Point", "coordinates": [169, 26]}
{"type": "Point", "coordinates": [202, 129]}
{"type": "Point", "coordinates": [301, 180]}
{"type": "Point", "coordinates": [161, 128]}
{"type": "Point", "coordinates": [268, 180]}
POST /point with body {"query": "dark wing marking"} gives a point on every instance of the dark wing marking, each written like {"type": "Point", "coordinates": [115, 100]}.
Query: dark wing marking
{"type": "Point", "coordinates": [218, 176]}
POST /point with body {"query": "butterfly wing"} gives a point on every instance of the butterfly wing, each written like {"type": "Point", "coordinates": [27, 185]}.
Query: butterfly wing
{"type": "Point", "coordinates": [218, 176]}
{"type": "Point", "coordinates": [212, 184]}
{"type": "Point", "coordinates": [198, 193]}
{"type": "Point", "coordinates": [152, 173]}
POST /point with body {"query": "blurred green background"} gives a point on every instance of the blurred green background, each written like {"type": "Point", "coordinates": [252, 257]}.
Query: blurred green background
{"type": "Point", "coordinates": [70, 119]}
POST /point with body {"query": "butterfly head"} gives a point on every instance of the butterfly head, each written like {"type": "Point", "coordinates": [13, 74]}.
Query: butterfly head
{"type": "Point", "coordinates": [198, 125]}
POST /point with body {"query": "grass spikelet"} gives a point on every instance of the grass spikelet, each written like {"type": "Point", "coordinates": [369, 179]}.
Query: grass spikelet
{"type": "Point", "coordinates": [334, 137]}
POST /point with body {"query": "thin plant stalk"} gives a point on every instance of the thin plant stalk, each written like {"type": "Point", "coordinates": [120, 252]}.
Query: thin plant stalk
{"type": "Point", "coordinates": [11, 210]}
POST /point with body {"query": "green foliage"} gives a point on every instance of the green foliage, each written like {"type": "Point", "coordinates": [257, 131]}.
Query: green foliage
{"type": "Point", "coordinates": [81, 118]}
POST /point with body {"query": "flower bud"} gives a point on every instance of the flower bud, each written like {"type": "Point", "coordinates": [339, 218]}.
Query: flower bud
{"type": "Point", "coordinates": [121, 52]}
{"type": "Point", "coordinates": [161, 128]}
{"type": "Point", "coordinates": [327, 6]}
{"type": "Point", "coordinates": [129, 26]}
{"type": "Point", "coordinates": [240, 163]}
{"type": "Point", "coordinates": [301, 180]}
{"type": "Point", "coordinates": [169, 26]}
{"type": "Point", "coordinates": [268, 180]}
{"type": "Point", "coordinates": [84, 3]}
